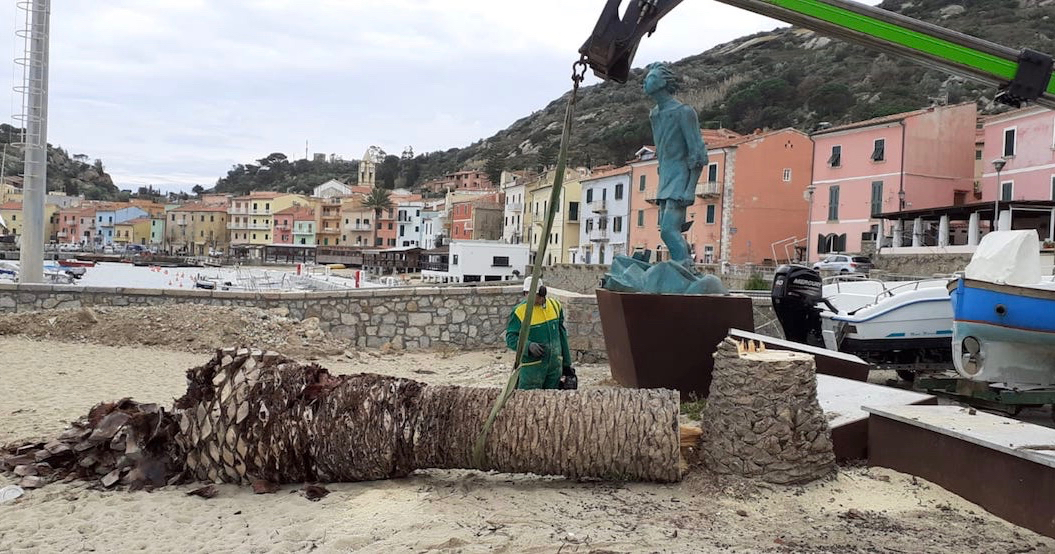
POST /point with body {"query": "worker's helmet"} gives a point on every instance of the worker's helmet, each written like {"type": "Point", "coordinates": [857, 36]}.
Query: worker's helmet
{"type": "Point", "coordinates": [527, 283]}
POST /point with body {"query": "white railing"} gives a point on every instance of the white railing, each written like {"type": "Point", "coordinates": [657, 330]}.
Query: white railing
{"type": "Point", "coordinates": [599, 206]}
{"type": "Point", "coordinates": [251, 226]}
{"type": "Point", "coordinates": [710, 188]}
{"type": "Point", "coordinates": [599, 235]}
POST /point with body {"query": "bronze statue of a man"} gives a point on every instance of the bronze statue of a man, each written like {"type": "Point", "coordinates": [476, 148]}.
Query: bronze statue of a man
{"type": "Point", "coordinates": [681, 154]}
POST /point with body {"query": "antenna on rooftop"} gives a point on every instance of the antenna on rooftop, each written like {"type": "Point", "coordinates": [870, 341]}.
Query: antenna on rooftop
{"type": "Point", "coordinates": [34, 118]}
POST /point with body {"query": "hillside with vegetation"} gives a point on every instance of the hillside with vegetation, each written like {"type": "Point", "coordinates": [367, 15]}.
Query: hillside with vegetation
{"type": "Point", "coordinates": [277, 172]}
{"type": "Point", "coordinates": [72, 175]}
{"type": "Point", "coordinates": [788, 77]}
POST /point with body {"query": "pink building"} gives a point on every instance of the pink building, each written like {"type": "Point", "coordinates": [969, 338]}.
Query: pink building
{"type": "Point", "coordinates": [1025, 140]}
{"type": "Point", "coordinates": [285, 224]}
{"type": "Point", "coordinates": [907, 161]}
{"type": "Point", "coordinates": [75, 224]}
{"type": "Point", "coordinates": [68, 225]}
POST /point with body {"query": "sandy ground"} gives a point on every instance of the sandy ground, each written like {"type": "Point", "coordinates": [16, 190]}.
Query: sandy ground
{"type": "Point", "coordinates": [45, 384]}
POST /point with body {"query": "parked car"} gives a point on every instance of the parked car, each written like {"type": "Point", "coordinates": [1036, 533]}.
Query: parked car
{"type": "Point", "coordinates": [845, 263]}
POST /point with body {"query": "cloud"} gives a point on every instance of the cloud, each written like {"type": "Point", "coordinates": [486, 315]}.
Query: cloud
{"type": "Point", "coordinates": [174, 92]}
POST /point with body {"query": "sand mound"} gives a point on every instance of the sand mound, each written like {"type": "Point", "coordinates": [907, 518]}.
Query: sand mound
{"type": "Point", "coordinates": [183, 327]}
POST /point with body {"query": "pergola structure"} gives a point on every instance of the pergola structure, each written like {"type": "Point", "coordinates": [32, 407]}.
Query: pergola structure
{"type": "Point", "coordinates": [962, 225]}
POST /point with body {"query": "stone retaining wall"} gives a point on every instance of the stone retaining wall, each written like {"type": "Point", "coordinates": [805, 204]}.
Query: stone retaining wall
{"type": "Point", "coordinates": [922, 265]}
{"type": "Point", "coordinates": [419, 317]}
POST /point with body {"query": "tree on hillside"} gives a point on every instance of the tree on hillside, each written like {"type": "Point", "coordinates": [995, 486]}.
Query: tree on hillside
{"type": "Point", "coordinates": [378, 200]}
{"type": "Point", "coordinates": [388, 171]}
{"type": "Point", "coordinates": [494, 166]}
{"type": "Point", "coordinates": [198, 189]}
{"type": "Point", "coordinates": [546, 156]}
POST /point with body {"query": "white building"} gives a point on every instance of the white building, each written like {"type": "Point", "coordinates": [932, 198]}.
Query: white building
{"type": "Point", "coordinates": [331, 189]}
{"type": "Point", "coordinates": [472, 261]}
{"type": "Point", "coordinates": [513, 214]}
{"type": "Point", "coordinates": [604, 232]}
{"type": "Point", "coordinates": [409, 223]}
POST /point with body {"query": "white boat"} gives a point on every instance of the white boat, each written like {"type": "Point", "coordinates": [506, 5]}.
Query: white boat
{"type": "Point", "coordinates": [906, 325]}
{"type": "Point", "coordinates": [53, 274]}
{"type": "Point", "coordinates": [890, 323]}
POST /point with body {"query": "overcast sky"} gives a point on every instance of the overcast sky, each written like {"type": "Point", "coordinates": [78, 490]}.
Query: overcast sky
{"type": "Point", "coordinates": [174, 92]}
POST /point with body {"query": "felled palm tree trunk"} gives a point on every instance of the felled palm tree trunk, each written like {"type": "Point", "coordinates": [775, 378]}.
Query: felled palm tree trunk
{"type": "Point", "coordinates": [249, 416]}
{"type": "Point", "coordinates": [252, 415]}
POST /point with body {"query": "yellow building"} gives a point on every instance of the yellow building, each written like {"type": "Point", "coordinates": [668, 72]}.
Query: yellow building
{"type": "Point", "coordinates": [11, 213]}
{"type": "Point", "coordinates": [196, 229]}
{"type": "Point", "coordinates": [564, 235]}
{"type": "Point", "coordinates": [9, 193]}
{"type": "Point", "coordinates": [250, 219]}
{"type": "Point", "coordinates": [357, 222]}
{"type": "Point", "coordinates": [133, 231]}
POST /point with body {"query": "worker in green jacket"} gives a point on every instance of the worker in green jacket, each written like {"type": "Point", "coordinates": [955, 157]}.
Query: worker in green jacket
{"type": "Point", "coordinates": [546, 363]}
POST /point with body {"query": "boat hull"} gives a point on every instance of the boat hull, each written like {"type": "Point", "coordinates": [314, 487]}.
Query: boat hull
{"type": "Point", "coordinates": [907, 326]}
{"type": "Point", "coordinates": [1014, 327]}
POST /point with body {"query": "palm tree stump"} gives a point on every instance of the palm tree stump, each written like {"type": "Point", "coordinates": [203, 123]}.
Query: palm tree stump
{"type": "Point", "coordinates": [253, 415]}
{"type": "Point", "coordinates": [763, 419]}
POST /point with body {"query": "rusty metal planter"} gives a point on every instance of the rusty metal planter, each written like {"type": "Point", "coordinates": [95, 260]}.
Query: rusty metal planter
{"type": "Point", "coordinates": [668, 340]}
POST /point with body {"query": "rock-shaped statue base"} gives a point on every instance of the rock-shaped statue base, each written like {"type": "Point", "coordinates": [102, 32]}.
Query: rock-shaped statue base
{"type": "Point", "coordinates": [629, 274]}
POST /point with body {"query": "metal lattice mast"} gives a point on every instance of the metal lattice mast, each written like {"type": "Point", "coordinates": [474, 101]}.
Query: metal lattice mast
{"type": "Point", "coordinates": [34, 119]}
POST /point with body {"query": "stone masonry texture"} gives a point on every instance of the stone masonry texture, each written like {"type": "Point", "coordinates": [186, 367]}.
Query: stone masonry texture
{"type": "Point", "coordinates": [762, 419]}
{"type": "Point", "coordinates": [419, 317]}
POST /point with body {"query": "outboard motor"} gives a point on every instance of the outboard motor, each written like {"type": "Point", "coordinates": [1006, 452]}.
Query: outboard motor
{"type": "Point", "coordinates": [796, 291]}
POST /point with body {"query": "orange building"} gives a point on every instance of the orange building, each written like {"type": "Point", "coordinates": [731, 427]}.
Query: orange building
{"type": "Point", "coordinates": [477, 218]}
{"type": "Point", "coordinates": [459, 180]}
{"type": "Point", "coordinates": [750, 199]}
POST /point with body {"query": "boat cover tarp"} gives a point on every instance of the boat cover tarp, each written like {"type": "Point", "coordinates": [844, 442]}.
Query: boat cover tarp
{"type": "Point", "coordinates": [1007, 257]}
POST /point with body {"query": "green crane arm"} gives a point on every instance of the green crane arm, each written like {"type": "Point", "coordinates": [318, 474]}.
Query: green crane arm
{"type": "Point", "coordinates": [1021, 76]}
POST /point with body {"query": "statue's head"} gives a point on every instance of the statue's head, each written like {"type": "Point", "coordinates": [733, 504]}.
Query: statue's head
{"type": "Point", "coordinates": [660, 77]}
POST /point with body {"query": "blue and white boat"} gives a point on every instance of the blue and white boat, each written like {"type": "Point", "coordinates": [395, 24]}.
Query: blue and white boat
{"type": "Point", "coordinates": [1004, 313]}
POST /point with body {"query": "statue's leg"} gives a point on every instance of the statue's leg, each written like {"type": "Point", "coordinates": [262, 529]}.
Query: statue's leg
{"type": "Point", "coordinates": [670, 222]}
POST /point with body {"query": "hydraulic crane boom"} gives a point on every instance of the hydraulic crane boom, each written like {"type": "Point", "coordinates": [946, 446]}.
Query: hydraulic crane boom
{"type": "Point", "coordinates": [1021, 76]}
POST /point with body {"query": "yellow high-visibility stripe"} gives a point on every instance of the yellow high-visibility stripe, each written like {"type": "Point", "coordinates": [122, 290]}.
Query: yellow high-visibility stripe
{"type": "Point", "coordinates": [540, 315]}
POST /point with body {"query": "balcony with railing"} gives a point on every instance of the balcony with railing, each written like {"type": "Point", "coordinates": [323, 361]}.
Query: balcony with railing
{"type": "Point", "coordinates": [708, 189]}
{"type": "Point", "coordinates": [516, 207]}
{"type": "Point", "coordinates": [599, 206]}
{"type": "Point", "coordinates": [247, 211]}
{"type": "Point", "coordinates": [599, 234]}
{"type": "Point", "coordinates": [248, 226]}
{"type": "Point", "coordinates": [358, 227]}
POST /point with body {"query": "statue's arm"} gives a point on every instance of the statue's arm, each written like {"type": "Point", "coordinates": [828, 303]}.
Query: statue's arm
{"type": "Point", "coordinates": [690, 127]}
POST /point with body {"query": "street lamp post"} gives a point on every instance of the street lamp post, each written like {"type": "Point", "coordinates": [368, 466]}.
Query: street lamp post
{"type": "Point", "coordinates": [810, 189]}
{"type": "Point", "coordinates": [998, 165]}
